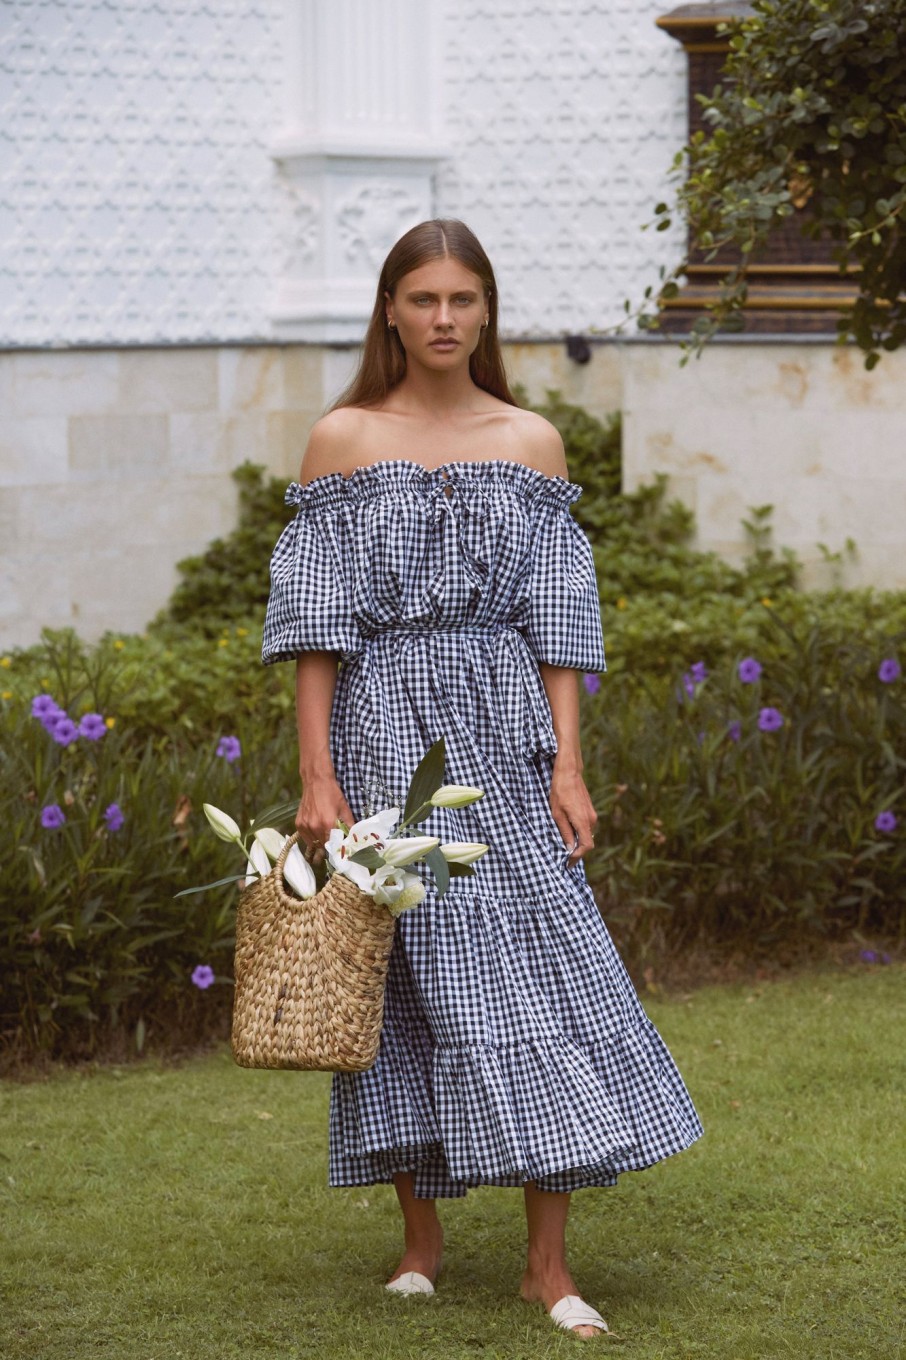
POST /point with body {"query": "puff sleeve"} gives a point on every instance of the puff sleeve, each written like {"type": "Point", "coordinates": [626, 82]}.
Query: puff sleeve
{"type": "Point", "coordinates": [309, 607]}
{"type": "Point", "coordinates": [564, 618]}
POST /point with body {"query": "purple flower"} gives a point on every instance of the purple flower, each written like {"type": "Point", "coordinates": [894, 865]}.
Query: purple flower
{"type": "Point", "coordinates": [92, 727]}
{"type": "Point", "coordinates": [52, 816]}
{"type": "Point", "coordinates": [63, 731]}
{"type": "Point", "coordinates": [113, 816]}
{"type": "Point", "coordinates": [203, 976]}
{"type": "Point", "coordinates": [44, 707]}
{"type": "Point", "coordinates": [695, 676]}
{"type": "Point", "coordinates": [734, 731]}
{"type": "Point", "coordinates": [749, 670]}
{"type": "Point", "coordinates": [886, 821]}
{"type": "Point", "coordinates": [889, 670]}
{"type": "Point", "coordinates": [592, 682]}
{"type": "Point", "coordinates": [868, 956]}
{"type": "Point", "coordinates": [229, 748]}
{"type": "Point", "coordinates": [769, 720]}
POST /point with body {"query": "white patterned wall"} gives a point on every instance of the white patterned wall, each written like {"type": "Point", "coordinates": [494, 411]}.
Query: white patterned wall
{"type": "Point", "coordinates": [137, 202]}
{"type": "Point", "coordinates": [565, 116]}
{"type": "Point", "coordinates": [140, 202]}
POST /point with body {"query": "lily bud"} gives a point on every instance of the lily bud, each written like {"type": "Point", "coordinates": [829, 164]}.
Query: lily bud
{"type": "Point", "coordinates": [272, 841]}
{"type": "Point", "coordinates": [299, 874]}
{"type": "Point", "coordinates": [456, 796]}
{"type": "Point", "coordinates": [259, 864]}
{"type": "Point", "coordinates": [463, 852]}
{"type": "Point", "coordinates": [405, 849]}
{"type": "Point", "coordinates": [222, 824]}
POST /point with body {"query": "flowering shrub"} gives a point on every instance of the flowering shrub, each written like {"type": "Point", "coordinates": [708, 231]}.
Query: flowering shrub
{"type": "Point", "coordinates": [96, 839]}
{"type": "Point", "coordinates": [761, 805]}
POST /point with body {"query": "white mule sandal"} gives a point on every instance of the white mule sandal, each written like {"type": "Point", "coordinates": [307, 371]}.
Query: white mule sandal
{"type": "Point", "coordinates": [571, 1311]}
{"type": "Point", "coordinates": [411, 1283]}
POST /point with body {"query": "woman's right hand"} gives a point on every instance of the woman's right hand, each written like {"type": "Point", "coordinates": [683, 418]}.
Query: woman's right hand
{"type": "Point", "coordinates": [321, 807]}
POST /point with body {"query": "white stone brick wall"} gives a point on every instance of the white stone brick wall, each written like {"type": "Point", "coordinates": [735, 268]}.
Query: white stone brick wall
{"type": "Point", "coordinates": [115, 465]}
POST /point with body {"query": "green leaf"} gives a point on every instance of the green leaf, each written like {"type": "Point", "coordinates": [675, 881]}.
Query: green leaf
{"type": "Point", "coordinates": [440, 869]}
{"type": "Point", "coordinates": [220, 883]}
{"type": "Point", "coordinates": [276, 813]}
{"type": "Point", "coordinates": [427, 779]}
{"type": "Point", "coordinates": [460, 870]}
{"type": "Point", "coordinates": [370, 856]}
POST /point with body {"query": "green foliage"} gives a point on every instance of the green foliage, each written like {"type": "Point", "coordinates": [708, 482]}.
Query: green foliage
{"type": "Point", "coordinates": [811, 108]}
{"type": "Point", "coordinates": [709, 830]}
{"type": "Point", "coordinates": [91, 939]}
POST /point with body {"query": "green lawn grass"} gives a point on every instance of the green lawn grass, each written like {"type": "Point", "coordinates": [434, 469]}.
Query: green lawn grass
{"type": "Point", "coordinates": [154, 1213]}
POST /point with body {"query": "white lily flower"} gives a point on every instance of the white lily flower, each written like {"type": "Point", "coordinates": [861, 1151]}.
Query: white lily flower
{"type": "Point", "coordinates": [360, 876]}
{"type": "Point", "coordinates": [389, 882]}
{"type": "Point", "coordinates": [463, 852]}
{"type": "Point", "coordinates": [413, 893]}
{"type": "Point", "coordinates": [272, 841]}
{"type": "Point", "coordinates": [371, 831]}
{"type": "Point", "coordinates": [405, 849]}
{"type": "Point", "coordinates": [339, 857]}
{"type": "Point", "coordinates": [259, 865]}
{"type": "Point", "coordinates": [456, 796]}
{"type": "Point", "coordinates": [222, 824]}
{"type": "Point", "coordinates": [299, 874]}
{"type": "Point", "coordinates": [377, 828]}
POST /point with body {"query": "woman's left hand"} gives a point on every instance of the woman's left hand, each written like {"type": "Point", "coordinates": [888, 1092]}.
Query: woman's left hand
{"type": "Point", "coordinates": [573, 812]}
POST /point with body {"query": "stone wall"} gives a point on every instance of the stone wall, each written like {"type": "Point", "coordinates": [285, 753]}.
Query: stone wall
{"type": "Point", "coordinates": [800, 426]}
{"type": "Point", "coordinates": [114, 465]}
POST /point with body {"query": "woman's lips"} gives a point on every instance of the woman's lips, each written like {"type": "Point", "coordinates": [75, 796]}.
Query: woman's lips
{"type": "Point", "coordinates": [444, 344]}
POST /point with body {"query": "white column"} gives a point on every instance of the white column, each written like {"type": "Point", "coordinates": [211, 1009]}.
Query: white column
{"type": "Point", "coordinates": [356, 153]}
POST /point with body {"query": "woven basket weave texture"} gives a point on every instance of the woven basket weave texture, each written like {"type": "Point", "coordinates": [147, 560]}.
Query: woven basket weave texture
{"type": "Point", "coordinates": [309, 975]}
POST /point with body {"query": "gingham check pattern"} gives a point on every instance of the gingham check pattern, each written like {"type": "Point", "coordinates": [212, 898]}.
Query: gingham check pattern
{"type": "Point", "coordinates": [514, 1046]}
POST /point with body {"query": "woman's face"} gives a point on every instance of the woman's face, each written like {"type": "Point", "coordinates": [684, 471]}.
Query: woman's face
{"type": "Point", "coordinates": [439, 310]}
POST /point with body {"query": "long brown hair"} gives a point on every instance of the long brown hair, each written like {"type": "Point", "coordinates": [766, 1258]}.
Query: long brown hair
{"type": "Point", "coordinates": [383, 362]}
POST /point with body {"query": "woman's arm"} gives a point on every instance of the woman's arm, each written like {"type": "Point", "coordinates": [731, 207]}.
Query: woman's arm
{"type": "Point", "coordinates": [569, 798]}
{"type": "Point", "coordinates": [322, 800]}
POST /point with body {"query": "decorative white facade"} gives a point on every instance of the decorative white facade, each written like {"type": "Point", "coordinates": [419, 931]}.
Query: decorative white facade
{"type": "Point", "coordinates": [356, 153]}
{"type": "Point", "coordinates": [226, 171]}
{"type": "Point", "coordinates": [137, 195]}
{"type": "Point", "coordinates": [564, 117]}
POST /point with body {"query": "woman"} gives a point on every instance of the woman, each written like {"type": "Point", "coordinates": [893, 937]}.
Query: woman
{"type": "Point", "coordinates": [435, 554]}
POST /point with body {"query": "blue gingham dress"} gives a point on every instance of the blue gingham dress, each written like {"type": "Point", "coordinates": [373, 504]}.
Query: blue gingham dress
{"type": "Point", "coordinates": [514, 1046]}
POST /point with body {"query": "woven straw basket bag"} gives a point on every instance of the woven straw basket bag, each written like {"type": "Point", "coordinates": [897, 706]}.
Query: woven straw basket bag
{"type": "Point", "coordinates": [309, 975]}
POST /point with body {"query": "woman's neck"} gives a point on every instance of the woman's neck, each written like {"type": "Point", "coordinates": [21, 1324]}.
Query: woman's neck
{"type": "Point", "coordinates": [436, 396]}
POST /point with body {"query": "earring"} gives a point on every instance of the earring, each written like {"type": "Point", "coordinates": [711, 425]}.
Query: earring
{"type": "Point", "coordinates": [391, 326]}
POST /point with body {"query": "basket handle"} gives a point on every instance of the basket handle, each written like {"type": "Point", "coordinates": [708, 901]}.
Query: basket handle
{"type": "Point", "coordinates": [281, 858]}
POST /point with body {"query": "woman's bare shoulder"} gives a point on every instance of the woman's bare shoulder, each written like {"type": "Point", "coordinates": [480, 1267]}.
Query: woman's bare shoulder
{"type": "Point", "coordinates": [535, 441]}
{"type": "Point", "coordinates": [333, 444]}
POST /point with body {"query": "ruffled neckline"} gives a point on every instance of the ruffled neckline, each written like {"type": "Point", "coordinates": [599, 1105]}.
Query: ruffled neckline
{"type": "Point", "coordinates": [404, 473]}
